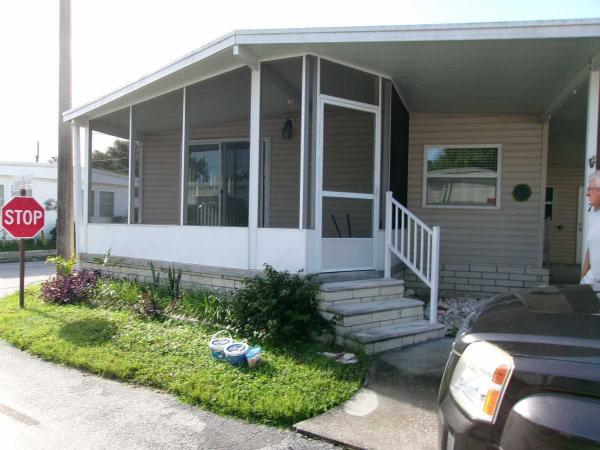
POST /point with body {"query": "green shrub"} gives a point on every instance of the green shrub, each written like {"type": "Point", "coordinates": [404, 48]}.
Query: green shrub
{"type": "Point", "coordinates": [277, 306]}
{"type": "Point", "coordinates": [204, 305]}
{"type": "Point", "coordinates": [64, 267]}
{"type": "Point", "coordinates": [117, 294]}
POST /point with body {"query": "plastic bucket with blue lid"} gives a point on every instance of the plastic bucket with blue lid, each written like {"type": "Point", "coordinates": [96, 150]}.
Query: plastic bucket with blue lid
{"type": "Point", "coordinates": [236, 353]}
{"type": "Point", "coordinates": [218, 342]}
{"type": "Point", "coordinates": [253, 357]}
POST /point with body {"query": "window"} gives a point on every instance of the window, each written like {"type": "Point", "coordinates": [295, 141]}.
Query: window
{"type": "Point", "coordinates": [109, 164]}
{"type": "Point", "coordinates": [106, 203]}
{"type": "Point", "coordinates": [462, 176]}
{"type": "Point", "coordinates": [549, 211]}
{"type": "Point", "coordinates": [91, 212]}
{"type": "Point", "coordinates": [218, 183]}
{"type": "Point", "coordinates": [16, 191]}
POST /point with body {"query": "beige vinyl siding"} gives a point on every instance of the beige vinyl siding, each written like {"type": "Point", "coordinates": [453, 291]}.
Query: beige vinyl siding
{"type": "Point", "coordinates": [161, 156]}
{"type": "Point", "coordinates": [285, 171]}
{"type": "Point", "coordinates": [561, 232]}
{"type": "Point", "coordinates": [509, 235]}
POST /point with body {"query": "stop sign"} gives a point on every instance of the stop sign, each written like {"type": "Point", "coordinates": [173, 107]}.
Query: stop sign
{"type": "Point", "coordinates": [23, 217]}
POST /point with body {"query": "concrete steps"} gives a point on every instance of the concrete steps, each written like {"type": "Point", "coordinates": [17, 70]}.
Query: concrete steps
{"type": "Point", "coordinates": [358, 316]}
{"type": "Point", "coordinates": [373, 316]}
{"type": "Point", "coordinates": [391, 337]}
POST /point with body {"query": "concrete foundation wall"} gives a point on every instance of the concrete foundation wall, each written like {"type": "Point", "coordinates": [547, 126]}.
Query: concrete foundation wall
{"type": "Point", "coordinates": [482, 280]}
{"type": "Point", "coordinates": [193, 276]}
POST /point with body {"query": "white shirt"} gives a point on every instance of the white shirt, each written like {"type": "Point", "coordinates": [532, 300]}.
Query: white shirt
{"type": "Point", "coordinates": [593, 245]}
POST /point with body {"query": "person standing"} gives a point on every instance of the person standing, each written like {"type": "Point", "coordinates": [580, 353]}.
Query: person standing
{"type": "Point", "coordinates": [590, 270]}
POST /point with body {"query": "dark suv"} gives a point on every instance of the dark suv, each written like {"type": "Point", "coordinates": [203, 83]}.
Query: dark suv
{"type": "Point", "coordinates": [524, 373]}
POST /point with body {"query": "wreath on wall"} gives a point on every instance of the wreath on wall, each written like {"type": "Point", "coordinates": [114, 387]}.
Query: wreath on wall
{"type": "Point", "coordinates": [521, 192]}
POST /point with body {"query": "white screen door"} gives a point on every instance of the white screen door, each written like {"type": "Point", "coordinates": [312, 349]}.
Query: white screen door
{"type": "Point", "coordinates": [349, 185]}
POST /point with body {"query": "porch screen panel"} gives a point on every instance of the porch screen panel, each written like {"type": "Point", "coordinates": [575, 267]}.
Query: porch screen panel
{"type": "Point", "coordinates": [109, 168]}
{"type": "Point", "coordinates": [280, 130]}
{"type": "Point", "coordinates": [462, 176]}
{"type": "Point", "coordinates": [348, 150]}
{"type": "Point", "coordinates": [342, 81]}
{"type": "Point", "coordinates": [347, 218]}
{"type": "Point", "coordinates": [218, 150]}
{"type": "Point", "coordinates": [157, 129]}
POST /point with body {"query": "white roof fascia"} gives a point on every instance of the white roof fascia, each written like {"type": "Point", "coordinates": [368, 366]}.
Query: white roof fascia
{"type": "Point", "coordinates": [573, 28]}
{"type": "Point", "coordinates": [442, 32]}
{"type": "Point", "coordinates": [198, 55]}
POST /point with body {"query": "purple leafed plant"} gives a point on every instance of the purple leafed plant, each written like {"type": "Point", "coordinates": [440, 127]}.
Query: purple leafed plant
{"type": "Point", "coordinates": [66, 289]}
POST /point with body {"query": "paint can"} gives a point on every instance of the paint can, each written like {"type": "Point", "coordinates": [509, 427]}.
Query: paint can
{"type": "Point", "coordinates": [218, 342]}
{"type": "Point", "coordinates": [235, 353]}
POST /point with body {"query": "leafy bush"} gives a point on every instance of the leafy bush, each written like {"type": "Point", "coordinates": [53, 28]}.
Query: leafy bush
{"type": "Point", "coordinates": [64, 267]}
{"type": "Point", "coordinates": [149, 305]}
{"type": "Point", "coordinates": [204, 305]}
{"type": "Point", "coordinates": [277, 306]}
{"type": "Point", "coordinates": [65, 289]}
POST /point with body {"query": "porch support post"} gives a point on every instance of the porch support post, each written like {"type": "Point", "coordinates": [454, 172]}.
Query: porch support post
{"type": "Point", "coordinates": [591, 146]}
{"type": "Point", "coordinates": [85, 176]}
{"type": "Point", "coordinates": [254, 167]}
{"type": "Point", "coordinates": [77, 203]}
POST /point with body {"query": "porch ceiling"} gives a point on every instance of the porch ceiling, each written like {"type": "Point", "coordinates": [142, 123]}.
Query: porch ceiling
{"type": "Point", "coordinates": [470, 68]}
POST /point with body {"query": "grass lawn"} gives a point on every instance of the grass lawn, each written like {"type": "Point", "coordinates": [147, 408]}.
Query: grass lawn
{"type": "Point", "coordinates": [290, 385]}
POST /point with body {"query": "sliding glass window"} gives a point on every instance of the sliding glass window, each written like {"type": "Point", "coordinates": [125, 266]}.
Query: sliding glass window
{"type": "Point", "coordinates": [217, 151]}
{"type": "Point", "coordinates": [109, 168]}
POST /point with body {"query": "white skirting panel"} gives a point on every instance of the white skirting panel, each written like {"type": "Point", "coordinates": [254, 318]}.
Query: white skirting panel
{"type": "Point", "coordinates": [284, 249]}
{"type": "Point", "coordinates": [341, 254]}
{"type": "Point", "coordinates": [210, 246]}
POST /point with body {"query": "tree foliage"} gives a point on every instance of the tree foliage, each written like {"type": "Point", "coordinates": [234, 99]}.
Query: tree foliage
{"type": "Point", "coordinates": [456, 158]}
{"type": "Point", "coordinates": [115, 158]}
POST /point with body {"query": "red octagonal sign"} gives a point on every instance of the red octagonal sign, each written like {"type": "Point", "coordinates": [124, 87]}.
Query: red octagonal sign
{"type": "Point", "coordinates": [23, 217]}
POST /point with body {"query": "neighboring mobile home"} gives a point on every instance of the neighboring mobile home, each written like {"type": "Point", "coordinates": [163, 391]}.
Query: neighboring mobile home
{"type": "Point", "coordinates": [278, 147]}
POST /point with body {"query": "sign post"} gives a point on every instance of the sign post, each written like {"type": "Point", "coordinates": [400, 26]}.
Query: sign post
{"type": "Point", "coordinates": [22, 217]}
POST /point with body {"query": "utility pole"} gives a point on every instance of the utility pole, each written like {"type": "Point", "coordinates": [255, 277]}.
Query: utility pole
{"type": "Point", "coordinates": [64, 220]}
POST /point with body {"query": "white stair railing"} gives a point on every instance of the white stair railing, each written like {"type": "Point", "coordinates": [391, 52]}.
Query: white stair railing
{"type": "Point", "coordinates": [417, 246]}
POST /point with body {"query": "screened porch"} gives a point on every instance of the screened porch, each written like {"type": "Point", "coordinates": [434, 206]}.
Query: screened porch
{"type": "Point", "coordinates": [284, 164]}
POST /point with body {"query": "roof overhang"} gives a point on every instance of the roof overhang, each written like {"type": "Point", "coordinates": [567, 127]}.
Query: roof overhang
{"type": "Point", "coordinates": [510, 67]}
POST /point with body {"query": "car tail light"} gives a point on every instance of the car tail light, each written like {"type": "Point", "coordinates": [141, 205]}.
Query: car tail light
{"type": "Point", "coordinates": [480, 379]}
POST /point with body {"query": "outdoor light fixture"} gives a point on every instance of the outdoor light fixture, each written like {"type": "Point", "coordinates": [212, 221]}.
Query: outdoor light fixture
{"type": "Point", "coordinates": [592, 162]}
{"type": "Point", "coordinates": [286, 131]}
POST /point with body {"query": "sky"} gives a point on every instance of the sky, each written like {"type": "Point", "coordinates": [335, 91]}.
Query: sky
{"type": "Point", "coordinates": [115, 42]}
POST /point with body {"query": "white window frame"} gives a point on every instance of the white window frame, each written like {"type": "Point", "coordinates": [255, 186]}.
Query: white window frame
{"type": "Point", "coordinates": [498, 177]}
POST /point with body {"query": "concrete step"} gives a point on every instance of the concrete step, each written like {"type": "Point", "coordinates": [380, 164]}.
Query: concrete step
{"type": "Point", "coordinates": [360, 284]}
{"type": "Point", "coordinates": [358, 309]}
{"type": "Point", "coordinates": [380, 339]}
{"type": "Point", "coordinates": [361, 291]}
{"type": "Point", "coordinates": [358, 316]}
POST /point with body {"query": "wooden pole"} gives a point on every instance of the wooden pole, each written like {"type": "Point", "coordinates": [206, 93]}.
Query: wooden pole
{"type": "Point", "coordinates": [64, 220]}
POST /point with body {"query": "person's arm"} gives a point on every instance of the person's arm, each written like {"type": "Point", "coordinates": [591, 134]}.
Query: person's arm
{"type": "Point", "coordinates": [586, 264]}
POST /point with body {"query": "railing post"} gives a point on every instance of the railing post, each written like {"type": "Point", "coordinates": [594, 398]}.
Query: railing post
{"type": "Point", "coordinates": [435, 279]}
{"type": "Point", "coordinates": [388, 235]}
